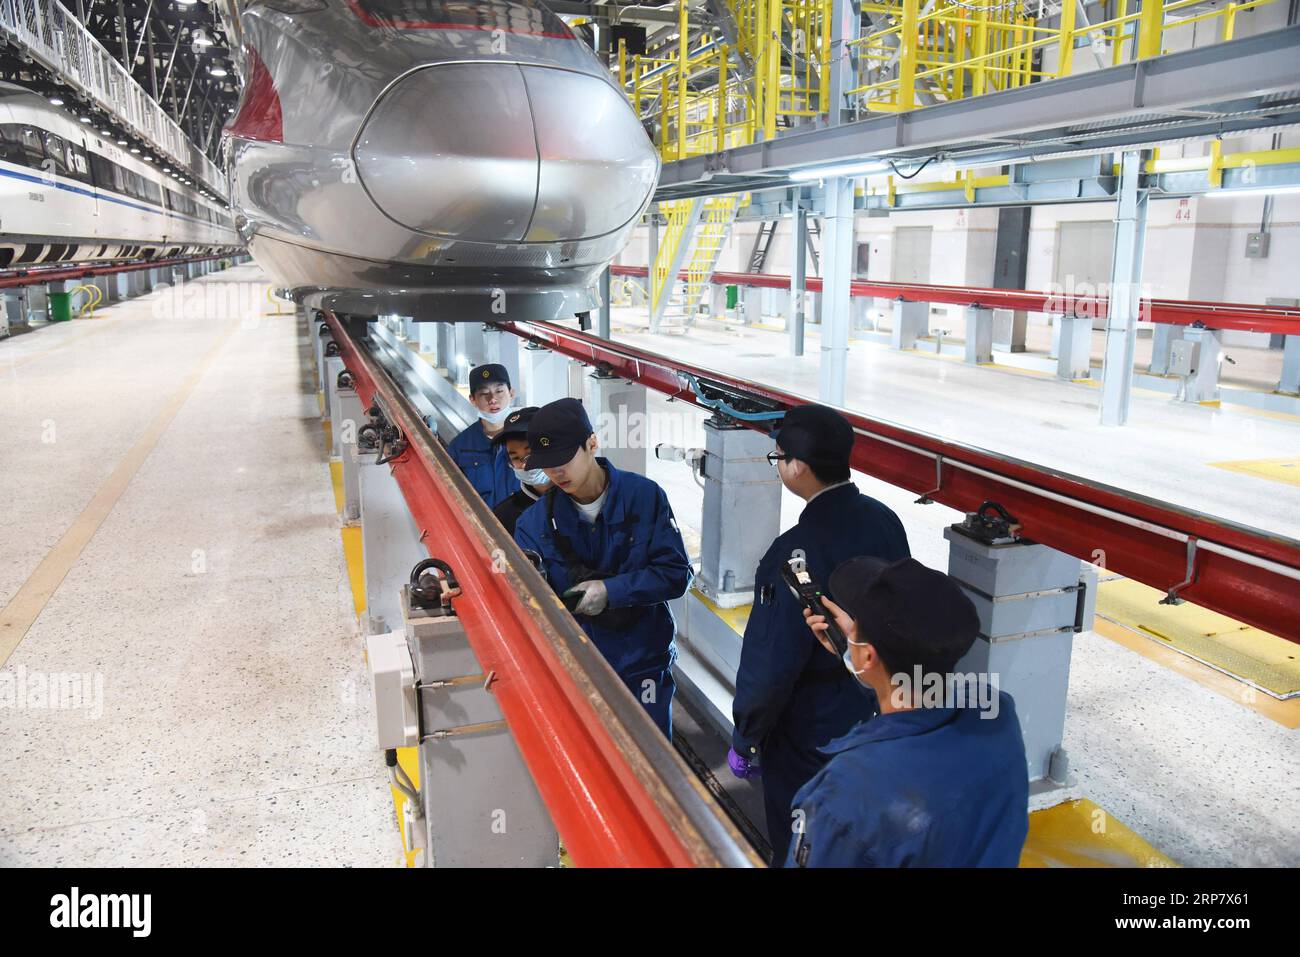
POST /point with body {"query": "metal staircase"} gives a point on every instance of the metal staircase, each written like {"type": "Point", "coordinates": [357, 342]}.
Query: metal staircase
{"type": "Point", "coordinates": [696, 234]}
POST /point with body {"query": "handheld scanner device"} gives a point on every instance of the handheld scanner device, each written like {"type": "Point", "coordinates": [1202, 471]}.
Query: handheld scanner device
{"type": "Point", "coordinates": [808, 594]}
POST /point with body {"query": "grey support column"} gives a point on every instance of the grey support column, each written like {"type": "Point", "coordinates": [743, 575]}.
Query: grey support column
{"type": "Point", "coordinates": [1196, 358]}
{"type": "Point", "coordinates": [545, 375]}
{"type": "Point", "coordinates": [1125, 292]}
{"type": "Point", "coordinates": [390, 543]}
{"type": "Point", "coordinates": [742, 511]}
{"type": "Point", "coordinates": [1163, 336]}
{"type": "Point", "coordinates": [911, 322]}
{"type": "Point", "coordinates": [618, 414]}
{"type": "Point", "coordinates": [1074, 347]}
{"type": "Point", "coordinates": [1290, 382]}
{"type": "Point", "coordinates": [837, 256]}
{"type": "Point", "coordinates": [798, 278]}
{"type": "Point", "coordinates": [503, 347]}
{"type": "Point", "coordinates": [481, 807]}
{"type": "Point", "coordinates": [650, 272]}
{"type": "Point", "coordinates": [1010, 327]}
{"type": "Point", "coordinates": [1030, 604]}
{"type": "Point", "coordinates": [603, 319]}
{"type": "Point", "coordinates": [979, 334]}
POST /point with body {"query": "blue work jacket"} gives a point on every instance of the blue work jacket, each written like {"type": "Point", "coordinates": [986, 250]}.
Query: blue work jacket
{"type": "Point", "coordinates": [787, 682]}
{"type": "Point", "coordinates": [635, 540]}
{"type": "Point", "coordinates": [486, 466]}
{"type": "Point", "coordinates": [933, 787]}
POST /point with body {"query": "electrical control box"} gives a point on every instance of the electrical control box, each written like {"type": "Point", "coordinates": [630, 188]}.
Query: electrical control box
{"type": "Point", "coordinates": [1257, 245]}
{"type": "Point", "coordinates": [392, 679]}
{"type": "Point", "coordinates": [1184, 357]}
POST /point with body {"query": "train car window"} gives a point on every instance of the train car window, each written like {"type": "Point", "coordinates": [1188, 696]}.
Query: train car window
{"type": "Point", "coordinates": [101, 172]}
{"type": "Point", "coordinates": [512, 16]}
{"type": "Point", "coordinates": [11, 144]}
{"type": "Point", "coordinates": [32, 147]}
{"type": "Point", "coordinates": [80, 164]}
{"type": "Point", "coordinates": [57, 152]}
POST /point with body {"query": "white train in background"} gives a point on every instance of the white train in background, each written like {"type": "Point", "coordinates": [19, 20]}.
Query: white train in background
{"type": "Point", "coordinates": [69, 195]}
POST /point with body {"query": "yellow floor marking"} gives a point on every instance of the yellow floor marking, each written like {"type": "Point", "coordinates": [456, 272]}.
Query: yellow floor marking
{"type": "Point", "coordinates": [1266, 413]}
{"type": "Point", "coordinates": [336, 480]}
{"type": "Point", "coordinates": [1250, 654]}
{"type": "Point", "coordinates": [1080, 834]}
{"type": "Point", "coordinates": [1286, 471]}
{"type": "Point", "coordinates": [25, 607]}
{"type": "Point", "coordinates": [352, 552]}
{"type": "Point", "coordinates": [320, 398]}
{"type": "Point", "coordinates": [328, 428]}
{"type": "Point", "coordinates": [1285, 713]}
{"type": "Point", "coordinates": [409, 759]}
{"type": "Point", "coordinates": [736, 617]}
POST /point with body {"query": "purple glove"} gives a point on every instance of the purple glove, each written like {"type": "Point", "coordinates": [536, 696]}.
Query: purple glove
{"type": "Point", "coordinates": [741, 766]}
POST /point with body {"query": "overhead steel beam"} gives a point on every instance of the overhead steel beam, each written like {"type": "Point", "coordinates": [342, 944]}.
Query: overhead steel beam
{"type": "Point", "coordinates": [1055, 114]}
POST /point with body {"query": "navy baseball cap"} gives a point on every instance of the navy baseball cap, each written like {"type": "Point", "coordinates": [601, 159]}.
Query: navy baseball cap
{"type": "Point", "coordinates": [486, 375]}
{"type": "Point", "coordinates": [516, 425]}
{"type": "Point", "coordinates": [556, 432]}
{"type": "Point", "coordinates": [914, 615]}
{"type": "Point", "coordinates": [817, 435]}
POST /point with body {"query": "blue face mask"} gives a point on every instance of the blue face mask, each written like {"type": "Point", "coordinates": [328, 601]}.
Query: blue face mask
{"type": "Point", "coordinates": [530, 476]}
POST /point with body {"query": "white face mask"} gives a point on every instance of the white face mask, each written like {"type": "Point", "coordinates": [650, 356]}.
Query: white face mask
{"type": "Point", "coordinates": [495, 418]}
{"type": "Point", "coordinates": [848, 663]}
{"type": "Point", "coordinates": [530, 476]}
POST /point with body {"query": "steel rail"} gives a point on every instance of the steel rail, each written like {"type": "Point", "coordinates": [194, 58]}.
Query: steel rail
{"type": "Point", "coordinates": [617, 791]}
{"type": "Point", "coordinates": [1248, 574]}
{"type": "Point", "coordinates": [1247, 317]}
{"type": "Point", "coordinates": [36, 276]}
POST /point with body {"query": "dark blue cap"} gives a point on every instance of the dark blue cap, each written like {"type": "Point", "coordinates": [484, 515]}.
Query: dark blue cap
{"type": "Point", "coordinates": [817, 435]}
{"type": "Point", "coordinates": [516, 425]}
{"type": "Point", "coordinates": [914, 615]}
{"type": "Point", "coordinates": [486, 375]}
{"type": "Point", "coordinates": [557, 431]}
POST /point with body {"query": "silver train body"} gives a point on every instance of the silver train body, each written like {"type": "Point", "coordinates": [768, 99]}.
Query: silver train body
{"type": "Point", "coordinates": [453, 160]}
{"type": "Point", "coordinates": [69, 195]}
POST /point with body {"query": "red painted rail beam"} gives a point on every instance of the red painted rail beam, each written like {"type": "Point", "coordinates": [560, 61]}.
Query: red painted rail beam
{"type": "Point", "coordinates": [1246, 317]}
{"type": "Point", "coordinates": [1251, 575]}
{"type": "Point", "coordinates": [617, 792]}
{"type": "Point", "coordinates": [38, 275]}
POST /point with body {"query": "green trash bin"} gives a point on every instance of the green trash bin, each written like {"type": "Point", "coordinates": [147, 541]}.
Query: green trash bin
{"type": "Point", "coordinates": [733, 296]}
{"type": "Point", "coordinates": [60, 306]}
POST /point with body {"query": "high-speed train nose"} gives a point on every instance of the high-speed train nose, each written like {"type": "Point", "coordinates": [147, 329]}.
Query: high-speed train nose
{"type": "Point", "coordinates": [502, 152]}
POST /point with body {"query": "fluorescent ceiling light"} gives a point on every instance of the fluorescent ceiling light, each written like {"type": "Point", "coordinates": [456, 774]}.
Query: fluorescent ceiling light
{"type": "Point", "coordinates": [844, 169]}
{"type": "Point", "coordinates": [217, 71]}
{"type": "Point", "coordinates": [134, 150]}
{"type": "Point", "coordinates": [56, 101]}
{"type": "Point", "coordinates": [84, 119]}
{"type": "Point", "coordinates": [1252, 191]}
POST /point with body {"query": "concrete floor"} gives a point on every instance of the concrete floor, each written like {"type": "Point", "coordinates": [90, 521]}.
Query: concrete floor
{"type": "Point", "coordinates": [1203, 778]}
{"type": "Point", "coordinates": [235, 724]}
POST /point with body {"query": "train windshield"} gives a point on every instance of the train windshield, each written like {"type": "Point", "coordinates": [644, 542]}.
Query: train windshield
{"type": "Point", "coordinates": [512, 16]}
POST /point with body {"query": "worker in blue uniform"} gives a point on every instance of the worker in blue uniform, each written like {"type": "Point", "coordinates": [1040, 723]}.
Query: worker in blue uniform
{"type": "Point", "coordinates": [487, 466]}
{"type": "Point", "coordinates": [611, 548]}
{"type": "Point", "coordinates": [533, 483]}
{"type": "Point", "coordinates": [934, 780]}
{"type": "Point", "coordinates": [791, 697]}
